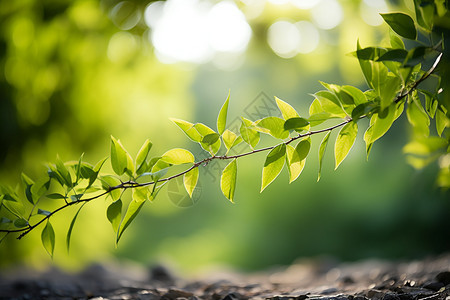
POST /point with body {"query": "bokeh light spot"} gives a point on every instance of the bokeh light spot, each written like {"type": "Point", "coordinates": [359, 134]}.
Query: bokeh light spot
{"type": "Point", "coordinates": [309, 37]}
{"type": "Point", "coordinates": [284, 38]}
{"type": "Point", "coordinates": [327, 14]}
{"type": "Point", "coordinates": [125, 15]}
{"type": "Point", "coordinates": [370, 11]}
{"type": "Point", "coordinates": [305, 4]}
{"type": "Point", "coordinates": [195, 31]}
{"type": "Point", "coordinates": [229, 31]}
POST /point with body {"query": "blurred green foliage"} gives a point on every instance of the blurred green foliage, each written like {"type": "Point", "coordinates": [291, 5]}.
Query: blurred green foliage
{"type": "Point", "coordinates": [73, 73]}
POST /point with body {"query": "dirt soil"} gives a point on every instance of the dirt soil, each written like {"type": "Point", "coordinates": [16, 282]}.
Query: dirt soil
{"type": "Point", "coordinates": [313, 279]}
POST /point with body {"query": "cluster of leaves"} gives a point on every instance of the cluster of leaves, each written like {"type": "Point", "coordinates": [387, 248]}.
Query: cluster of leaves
{"type": "Point", "coordinates": [393, 76]}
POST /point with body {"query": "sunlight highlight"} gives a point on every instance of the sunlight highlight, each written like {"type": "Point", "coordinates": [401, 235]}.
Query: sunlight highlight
{"type": "Point", "coordinates": [195, 31]}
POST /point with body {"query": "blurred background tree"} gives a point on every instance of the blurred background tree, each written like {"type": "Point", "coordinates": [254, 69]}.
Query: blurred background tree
{"type": "Point", "coordinates": [74, 72]}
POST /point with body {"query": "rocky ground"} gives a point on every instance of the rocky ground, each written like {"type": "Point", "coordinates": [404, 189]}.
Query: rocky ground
{"type": "Point", "coordinates": [316, 279]}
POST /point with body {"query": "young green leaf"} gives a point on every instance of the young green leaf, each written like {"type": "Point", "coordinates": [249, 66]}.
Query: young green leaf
{"type": "Point", "coordinates": [222, 118]}
{"type": "Point", "coordinates": [178, 156]}
{"type": "Point", "coordinates": [296, 123]}
{"type": "Point", "coordinates": [189, 129]}
{"type": "Point", "coordinates": [114, 214]}
{"type": "Point", "coordinates": [344, 142]}
{"type": "Point", "coordinates": [210, 139]}
{"type": "Point", "coordinates": [425, 13]}
{"type": "Point", "coordinates": [62, 170]}
{"type": "Point", "coordinates": [56, 196]}
{"type": "Point", "coordinates": [72, 224]}
{"type": "Point", "coordinates": [402, 24]}
{"type": "Point", "coordinates": [119, 159]}
{"type": "Point", "coordinates": [273, 165]}
{"type": "Point", "coordinates": [286, 110]}
{"type": "Point", "coordinates": [379, 126]}
{"type": "Point", "coordinates": [442, 122]}
{"type": "Point", "coordinates": [109, 181]}
{"type": "Point", "coordinates": [396, 42]}
{"type": "Point", "coordinates": [249, 135]}
{"type": "Point", "coordinates": [417, 116]}
{"type": "Point", "coordinates": [357, 95]}
{"type": "Point", "coordinates": [295, 158]}
{"type": "Point", "coordinates": [204, 131]}
{"type": "Point", "coordinates": [20, 223]}
{"type": "Point", "coordinates": [190, 180]}
{"type": "Point", "coordinates": [388, 89]}
{"type": "Point", "coordinates": [140, 194]}
{"type": "Point", "coordinates": [322, 148]}
{"type": "Point", "coordinates": [28, 182]}
{"type": "Point", "coordinates": [330, 104]}
{"type": "Point", "coordinates": [132, 211]}
{"type": "Point", "coordinates": [230, 139]}
{"type": "Point", "coordinates": [48, 238]}
{"type": "Point", "coordinates": [228, 180]}
{"type": "Point", "coordinates": [142, 157]}
{"type": "Point", "coordinates": [273, 126]}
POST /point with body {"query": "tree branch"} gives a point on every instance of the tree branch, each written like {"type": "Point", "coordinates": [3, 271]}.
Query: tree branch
{"type": "Point", "coordinates": [132, 184]}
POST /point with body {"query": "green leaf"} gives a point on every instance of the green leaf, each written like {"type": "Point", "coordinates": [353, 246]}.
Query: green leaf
{"type": "Point", "coordinates": [109, 181]}
{"type": "Point", "coordinates": [363, 109]}
{"type": "Point", "coordinates": [398, 55]}
{"type": "Point", "coordinates": [62, 170]}
{"type": "Point", "coordinates": [287, 111]}
{"type": "Point", "coordinates": [417, 116]}
{"type": "Point", "coordinates": [190, 180]}
{"type": "Point", "coordinates": [431, 103]}
{"type": "Point", "coordinates": [189, 129]}
{"type": "Point", "coordinates": [296, 158]}
{"type": "Point", "coordinates": [28, 182]}
{"type": "Point", "coordinates": [140, 194]}
{"type": "Point", "coordinates": [72, 224]}
{"type": "Point", "coordinates": [93, 176]}
{"type": "Point", "coordinates": [78, 168]}
{"type": "Point", "coordinates": [56, 196]}
{"type": "Point", "coordinates": [114, 214]}
{"type": "Point", "coordinates": [228, 180]}
{"type": "Point", "coordinates": [358, 96]}
{"type": "Point", "coordinates": [119, 160]}
{"type": "Point", "coordinates": [48, 238]}
{"type": "Point", "coordinates": [402, 24]}
{"type": "Point", "coordinates": [132, 211]}
{"type": "Point", "coordinates": [344, 142]}
{"type": "Point", "coordinates": [425, 13]}
{"type": "Point", "coordinates": [210, 139]}
{"type": "Point", "coordinates": [20, 223]}
{"type": "Point", "coordinates": [178, 156]}
{"type": "Point", "coordinates": [379, 126]}
{"type": "Point", "coordinates": [204, 131]}
{"type": "Point", "coordinates": [142, 157]}
{"type": "Point", "coordinates": [39, 188]}
{"type": "Point", "coordinates": [273, 126]}
{"type": "Point", "coordinates": [388, 89]}
{"type": "Point", "coordinates": [330, 104]}
{"type": "Point", "coordinates": [249, 135]}
{"type": "Point", "coordinates": [230, 139]}
{"type": "Point", "coordinates": [442, 121]}
{"type": "Point", "coordinates": [222, 118]}
{"type": "Point", "coordinates": [322, 148]}
{"type": "Point", "coordinates": [296, 123]}
{"type": "Point", "coordinates": [273, 165]}
{"type": "Point", "coordinates": [396, 42]}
